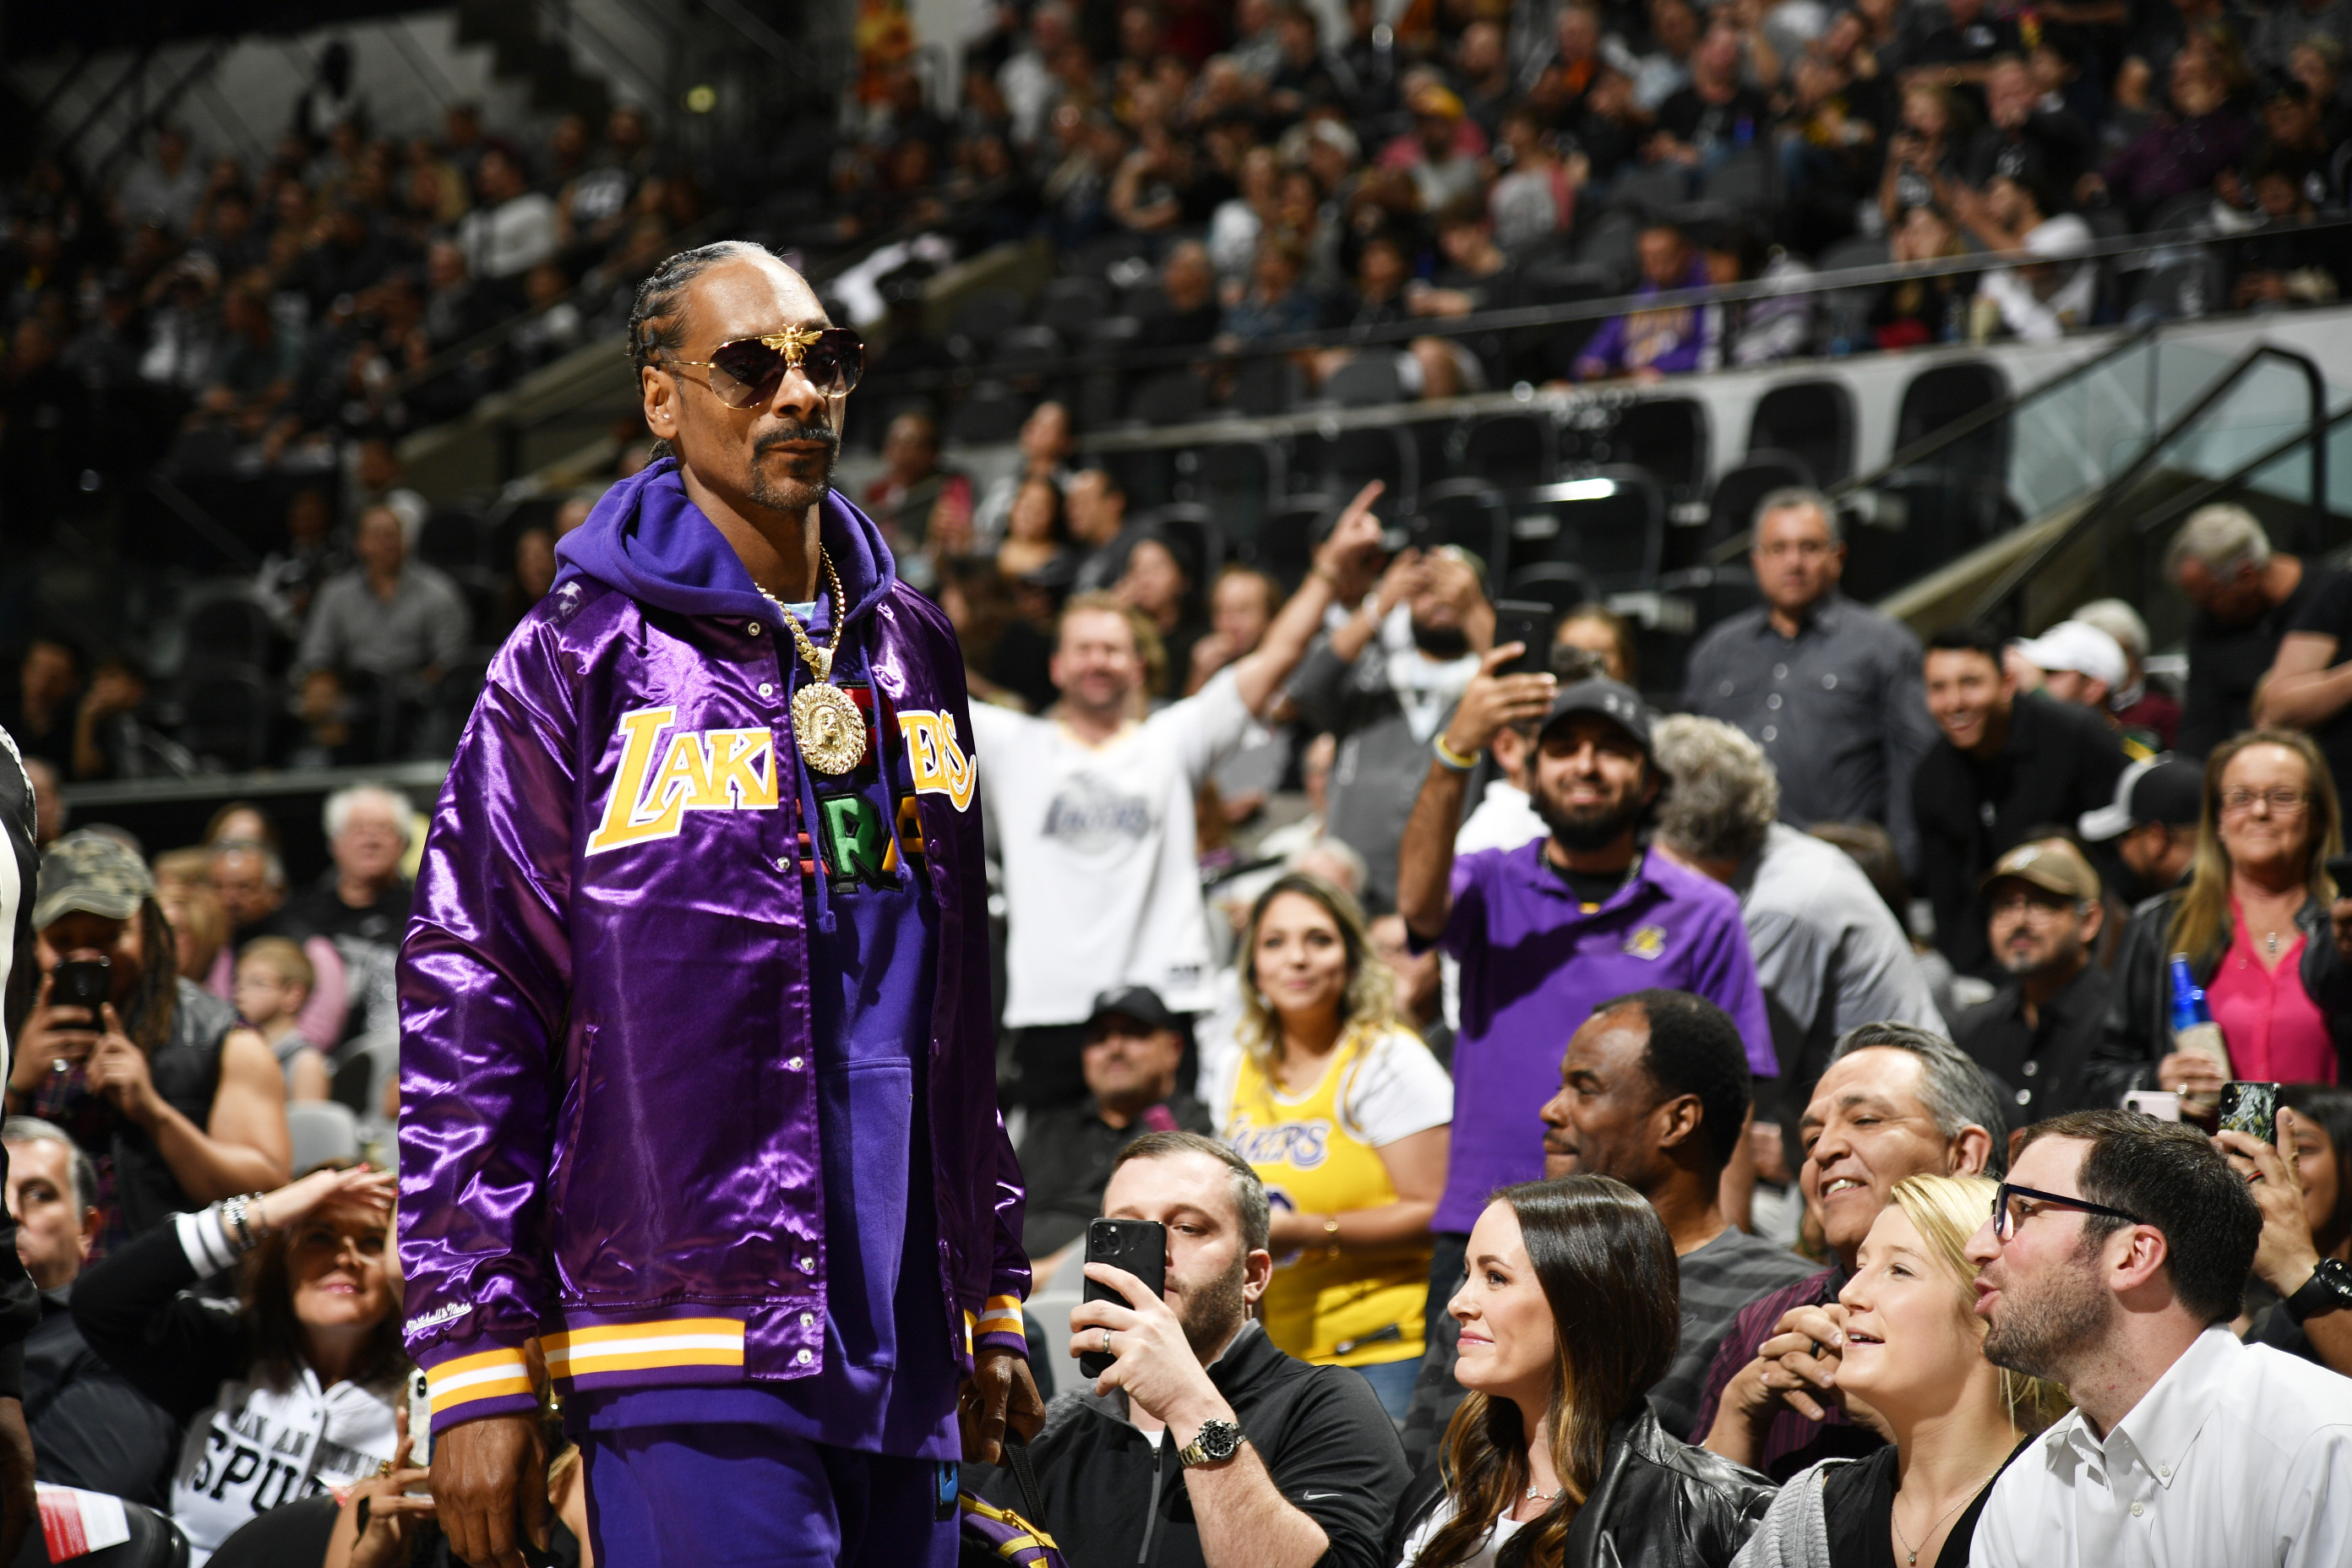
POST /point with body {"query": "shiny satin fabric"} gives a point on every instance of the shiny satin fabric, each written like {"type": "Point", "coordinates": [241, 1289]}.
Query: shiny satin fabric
{"type": "Point", "coordinates": [609, 1120]}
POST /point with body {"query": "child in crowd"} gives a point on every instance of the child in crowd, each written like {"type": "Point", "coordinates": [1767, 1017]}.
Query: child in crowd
{"type": "Point", "coordinates": [273, 981]}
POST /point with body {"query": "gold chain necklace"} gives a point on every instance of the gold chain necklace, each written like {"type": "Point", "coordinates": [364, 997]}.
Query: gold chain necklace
{"type": "Point", "coordinates": [825, 722]}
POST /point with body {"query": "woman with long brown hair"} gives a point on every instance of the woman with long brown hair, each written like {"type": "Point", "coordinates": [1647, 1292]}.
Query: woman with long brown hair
{"type": "Point", "coordinates": [2266, 934]}
{"type": "Point", "coordinates": [1345, 1116]}
{"type": "Point", "coordinates": [294, 1393]}
{"type": "Point", "coordinates": [1571, 1310]}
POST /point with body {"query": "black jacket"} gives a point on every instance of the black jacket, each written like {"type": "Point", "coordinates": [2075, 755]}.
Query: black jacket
{"type": "Point", "coordinates": [1660, 1504]}
{"type": "Point", "coordinates": [2059, 761]}
{"type": "Point", "coordinates": [2138, 1032]}
{"type": "Point", "coordinates": [20, 980]}
{"type": "Point", "coordinates": [1111, 1499]}
{"type": "Point", "coordinates": [90, 1428]}
{"type": "Point", "coordinates": [2039, 1071]}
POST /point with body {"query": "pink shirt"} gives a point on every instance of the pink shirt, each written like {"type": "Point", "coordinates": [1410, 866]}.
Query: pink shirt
{"type": "Point", "coordinates": [2275, 1032]}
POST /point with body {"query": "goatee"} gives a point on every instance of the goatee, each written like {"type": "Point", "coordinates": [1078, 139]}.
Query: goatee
{"type": "Point", "coordinates": [1588, 829]}
{"type": "Point", "coordinates": [1441, 642]}
{"type": "Point", "coordinates": [792, 495]}
{"type": "Point", "coordinates": [1213, 1315]}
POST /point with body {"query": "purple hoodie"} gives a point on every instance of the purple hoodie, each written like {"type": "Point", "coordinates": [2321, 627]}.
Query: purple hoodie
{"type": "Point", "coordinates": [661, 1100]}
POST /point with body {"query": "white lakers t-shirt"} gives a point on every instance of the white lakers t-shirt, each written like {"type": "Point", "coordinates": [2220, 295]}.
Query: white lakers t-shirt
{"type": "Point", "coordinates": [1102, 882]}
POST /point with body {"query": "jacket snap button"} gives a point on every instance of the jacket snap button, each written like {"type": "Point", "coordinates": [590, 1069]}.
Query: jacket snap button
{"type": "Point", "coordinates": [793, 1063]}
{"type": "Point", "coordinates": [808, 1265]}
{"type": "Point", "coordinates": [805, 1358]}
{"type": "Point", "coordinates": [808, 1319]}
{"type": "Point", "coordinates": [767, 689]}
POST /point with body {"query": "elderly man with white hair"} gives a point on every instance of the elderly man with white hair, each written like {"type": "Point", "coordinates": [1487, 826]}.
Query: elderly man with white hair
{"type": "Point", "coordinates": [1829, 953]}
{"type": "Point", "coordinates": [2248, 596]}
{"type": "Point", "coordinates": [362, 903]}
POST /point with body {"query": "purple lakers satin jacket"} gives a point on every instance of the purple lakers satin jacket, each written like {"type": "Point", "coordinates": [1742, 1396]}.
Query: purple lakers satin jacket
{"type": "Point", "coordinates": [609, 1119]}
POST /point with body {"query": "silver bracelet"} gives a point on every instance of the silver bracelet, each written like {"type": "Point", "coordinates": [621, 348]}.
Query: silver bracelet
{"type": "Point", "coordinates": [233, 1221]}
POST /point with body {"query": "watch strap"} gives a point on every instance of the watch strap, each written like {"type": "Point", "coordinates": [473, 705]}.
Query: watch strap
{"type": "Point", "coordinates": [1196, 1452]}
{"type": "Point", "coordinates": [2329, 1289]}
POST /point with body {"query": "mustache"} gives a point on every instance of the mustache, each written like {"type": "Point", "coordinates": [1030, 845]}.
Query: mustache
{"type": "Point", "coordinates": [784, 434]}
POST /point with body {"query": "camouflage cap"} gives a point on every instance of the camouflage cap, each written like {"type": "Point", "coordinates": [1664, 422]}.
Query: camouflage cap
{"type": "Point", "coordinates": [92, 872]}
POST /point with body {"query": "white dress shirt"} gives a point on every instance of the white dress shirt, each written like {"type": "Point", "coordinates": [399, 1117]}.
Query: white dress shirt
{"type": "Point", "coordinates": [2239, 1455]}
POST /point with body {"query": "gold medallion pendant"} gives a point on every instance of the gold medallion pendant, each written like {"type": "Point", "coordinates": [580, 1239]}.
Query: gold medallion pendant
{"type": "Point", "coordinates": [826, 725]}
{"type": "Point", "coordinates": [829, 730]}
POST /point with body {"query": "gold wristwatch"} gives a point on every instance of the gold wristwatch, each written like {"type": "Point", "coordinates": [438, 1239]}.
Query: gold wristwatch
{"type": "Point", "coordinates": [1217, 1442]}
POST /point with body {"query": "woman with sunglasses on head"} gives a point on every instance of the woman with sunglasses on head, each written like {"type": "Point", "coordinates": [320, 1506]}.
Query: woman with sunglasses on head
{"type": "Point", "coordinates": [1345, 1115]}
{"type": "Point", "coordinates": [292, 1392]}
{"type": "Point", "coordinates": [1569, 1312]}
{"type": "Point", "coordinates": [2266, 933]}
{"type": "Point", "coordinates": [1912, 1352]}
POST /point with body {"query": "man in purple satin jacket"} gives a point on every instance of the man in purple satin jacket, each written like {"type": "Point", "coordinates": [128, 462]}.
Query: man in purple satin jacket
{"type": "Point", "coordinates": [697, 1083]}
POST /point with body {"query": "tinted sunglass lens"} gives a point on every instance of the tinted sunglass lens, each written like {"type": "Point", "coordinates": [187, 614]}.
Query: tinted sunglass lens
{"type": "Point", "coordinates": [753, 369]}
{"type": "Point", "coordinates": [835, 361]}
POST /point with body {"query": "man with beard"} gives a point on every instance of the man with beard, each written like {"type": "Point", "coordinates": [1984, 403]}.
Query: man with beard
{"type": "Point", "coordinates": [1091, 807]}
{"type": "Point", "coordinates": [1382, 683]}
{"type": "Point", "coordinates": [2113, 1263]}
{"type": "Point", "coordinates": [2036, 1036]}
{"type": "Point", "coordinates": [698, 1070]}
{"type": "Point", "coordinates": [1203, 1445]}
{"type": "Point", "coordinates": [1547, 931]}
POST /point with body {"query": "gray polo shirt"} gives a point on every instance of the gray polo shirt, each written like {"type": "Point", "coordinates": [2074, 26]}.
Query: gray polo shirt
{"type": "Point", "coordinates": [1828, 951]}
{"type": "Point", "coordinates": [1840, 709]}
{"type": "Point", "coordinates": [425, 621]}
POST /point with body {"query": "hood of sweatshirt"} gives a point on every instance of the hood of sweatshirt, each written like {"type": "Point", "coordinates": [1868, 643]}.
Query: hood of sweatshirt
{"type": "Point", "coordinates": [648, 539]}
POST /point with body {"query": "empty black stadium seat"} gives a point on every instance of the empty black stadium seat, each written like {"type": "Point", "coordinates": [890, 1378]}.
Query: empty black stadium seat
{"type": "Point", "coordinates": [1366, 381]}
{"type": "Point", "coordinates": [1513, 451]}
{"type": "Point", "coordinates": [1285, 545]}
{"type": "Point", "coordinates": [226, 716]}
{"type": "Point", "coordinates": [1731, 507]}
{"type": "Point", "coordinates": [1610, 525]}
{"type": "Point", "coordinates": [991, 414]}
{"type": "Point", "coordinates": [1813, 419]}
{"type": "Point", "coordinates": [1239, 482]}
{"type": "Point", "coordinates": [1069, 305]}
{"type": "Point", "coordinates": [1471, 514]}
{"type": "Point", "coordinates": [1557, 584]}
{"type": "Point", "coordinates": [451, 540]}
{"type": "Point", "coordinates": [231, 626]}
{"type": "Point", "coordinates": [1350, 459]}
{"type": "Point", "coordinates": [1025, 350]}
{"type": "Point", "coordinates": [1945, 394]}
{"type": "Point", "coordinates": [1169, 397]}
{"type": "Point", "coordinates": [1666, 435]}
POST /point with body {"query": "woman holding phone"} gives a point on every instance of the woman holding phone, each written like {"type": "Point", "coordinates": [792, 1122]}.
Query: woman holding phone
{"type": "Point", "coordinates": [1345, 1116]}
{"type": "Point", "coordinates": [1913, 1350]}
{"type": "Point", "coordinates": [2266, 935]}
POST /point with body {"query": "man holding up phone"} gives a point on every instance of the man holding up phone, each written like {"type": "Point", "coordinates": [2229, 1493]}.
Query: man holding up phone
{"type": "Point", "coordinates": [1201, 1440]}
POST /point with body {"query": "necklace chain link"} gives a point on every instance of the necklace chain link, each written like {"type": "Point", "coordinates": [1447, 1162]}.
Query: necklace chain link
{"type": "Point", "coordinates": [1912, 1552]}
{"type": "Point", "coordinates": [819, 660]}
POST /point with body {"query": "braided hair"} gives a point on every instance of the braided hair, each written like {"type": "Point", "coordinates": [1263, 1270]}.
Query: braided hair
{"type": "Point", "coordinates": [657, 317]}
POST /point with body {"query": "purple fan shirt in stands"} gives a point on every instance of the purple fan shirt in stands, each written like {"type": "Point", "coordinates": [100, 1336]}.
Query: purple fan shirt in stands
{"type": "Point", "coordinates": [1535, 963]}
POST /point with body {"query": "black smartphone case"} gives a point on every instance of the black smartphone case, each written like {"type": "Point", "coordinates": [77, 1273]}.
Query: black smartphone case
{"type": "Point", "coordinates": [1138, 1246]}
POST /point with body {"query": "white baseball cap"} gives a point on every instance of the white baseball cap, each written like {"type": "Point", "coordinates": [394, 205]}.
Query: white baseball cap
{"type": "Point", "coordinates": [2081, 646]}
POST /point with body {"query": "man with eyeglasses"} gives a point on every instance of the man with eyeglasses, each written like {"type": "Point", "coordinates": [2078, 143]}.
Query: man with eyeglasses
{"type": "Point", "coordinates": [697, 1066]}
{"type": "Point", "coordinates": [2037, 1032]}
{"type": "Point", "coordinates": [2113, 1263]}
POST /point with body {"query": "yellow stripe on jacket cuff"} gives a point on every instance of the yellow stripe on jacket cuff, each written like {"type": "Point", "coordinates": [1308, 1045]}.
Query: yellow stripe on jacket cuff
{"type": "Point", "coordinates": [997, 1325]}
{"type": "Point", "coordinates": [461, 1386]}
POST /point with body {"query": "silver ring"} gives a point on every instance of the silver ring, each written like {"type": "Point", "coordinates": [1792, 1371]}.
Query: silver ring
{"type": "Point", "coordinates": [1105, 1342]}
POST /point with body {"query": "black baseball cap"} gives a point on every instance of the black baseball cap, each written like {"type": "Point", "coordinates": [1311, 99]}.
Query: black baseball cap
{"type": "Point", "coordinates": [1140, 1003]}
{"type": "Point", "coordinates": [2157, 789]}
{"type": "Point", "coordinates": [1612, 700]}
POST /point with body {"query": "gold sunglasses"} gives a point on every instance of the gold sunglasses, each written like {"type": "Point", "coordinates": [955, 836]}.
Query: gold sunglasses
{"type": "Point", "coordinates": [746, 372]}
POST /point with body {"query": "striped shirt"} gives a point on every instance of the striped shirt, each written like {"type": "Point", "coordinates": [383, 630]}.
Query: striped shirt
{"type": "Point", "coordinates": [1719, 1280]}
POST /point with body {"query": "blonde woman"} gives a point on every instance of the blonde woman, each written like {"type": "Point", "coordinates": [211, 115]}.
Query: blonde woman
{"type": "Point", "coordinates": [1344, 1115]}
{"type": "Point", "coordinates": [1913, 1352]}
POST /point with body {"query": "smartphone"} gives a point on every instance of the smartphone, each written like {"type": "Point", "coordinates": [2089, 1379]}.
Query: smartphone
{"type": "Point", "coordinates": [2251, 1109]}
{"type": "Point", "coordinates": [2160, 1103]}
{"type": "Point", "coordinates": [420, 1422]}
{"type": "Point", "coordinates": [82, 983]}
{"type": "Point", "coordinates": [1138, 1246]}
{"type": "Point", "coordinates": [1520, 621]}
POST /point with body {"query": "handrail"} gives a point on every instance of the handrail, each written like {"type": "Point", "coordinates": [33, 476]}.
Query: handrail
{"type": "Point", "coordinates": [1521, 318]}
{"type": "Point", "coordinates": [2198, 494]}
{"type": "Point", "coordinates": [2023, 569]}
{"type": "Point", "coordinates": [2000, 408]}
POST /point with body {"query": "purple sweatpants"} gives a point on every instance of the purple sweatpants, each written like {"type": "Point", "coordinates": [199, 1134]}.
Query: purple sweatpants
{"type": "Point", "coordinates": [720, 1496]}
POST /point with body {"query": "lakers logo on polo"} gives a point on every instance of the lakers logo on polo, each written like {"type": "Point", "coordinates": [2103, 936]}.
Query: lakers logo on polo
{"type": "Point", "coordinates": [940, 764]}
{"type": "Point", "coordinates": [1648, 941]}
{"type": "Point", "coordinates": [659, 781]}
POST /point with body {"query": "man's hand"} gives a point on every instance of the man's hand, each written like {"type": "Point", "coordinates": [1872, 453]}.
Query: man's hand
{"type": "Point", "coordinates": [119, 1070]}
{"type": "Point", "coordinates": [2191, 1072]}
{"type": "Point", "coordinates": [1000, 1392]}
{"type": "Point", "coordinates": [1492, 701]}
{"type": "Point", "coordinates": [50, 1034]}
{"type": "Point", "coordinates": [1151, 1359]}
{"type": "Point", "coordinates": [1796, 1369]}
{"type": "Point", "coordinates": [2284, 1254]}
{"type": "Point", "coordinates": [490, 1486]}
{"type": "Point", "coordinates": [1355, 539]}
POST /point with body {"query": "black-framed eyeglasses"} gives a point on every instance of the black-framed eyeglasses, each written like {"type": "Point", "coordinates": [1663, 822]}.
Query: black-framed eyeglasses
{"type": "Point", "coordinates": [2005, 1219]}
{"type": "Point", "coordinates": [745, 374]}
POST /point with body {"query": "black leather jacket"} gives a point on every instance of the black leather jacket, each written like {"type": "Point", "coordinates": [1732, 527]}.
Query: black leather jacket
{"type": "Point", "coordinates": [1660, 1504]}
{"type": "Point", "coordinates": [2138, 1032]}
